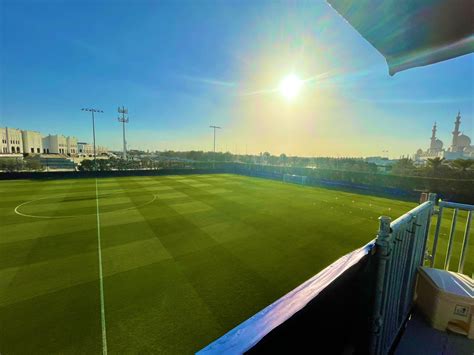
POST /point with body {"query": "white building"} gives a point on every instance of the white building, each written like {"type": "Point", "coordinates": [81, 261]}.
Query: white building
{"type": "Point", "coordinates": [101, 150]}
{"type": "Point", "coordinates": [461, 147]}
{"type": "Point", "coordinates": [4, 147]}
{"type": "Point", "coordinates": [11, 141]}
{"type": "Point", "coordinates": [32, 142]}
{"type": "Point", "coordinates": [16, 141]}
{"type": "Point", "coordinates": [87, 149]}
{"type": "Point", "coordinates": [59, 144]}
{"type": "Point", "coordinates": [56, 144]}
{"type": "Point", "coordinates": [71, 145]}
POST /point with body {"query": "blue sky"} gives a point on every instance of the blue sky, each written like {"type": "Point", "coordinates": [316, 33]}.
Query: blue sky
{"type": "Point", "coordinates": [180, 66]}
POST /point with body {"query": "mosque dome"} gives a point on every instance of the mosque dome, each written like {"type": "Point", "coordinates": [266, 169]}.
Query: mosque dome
{"type": "Point", "coordinates": [419, 151]}
{"type": "Point", "coordinates": [463, 141]}
{"type": "Point", "coordinates": [438, 144]}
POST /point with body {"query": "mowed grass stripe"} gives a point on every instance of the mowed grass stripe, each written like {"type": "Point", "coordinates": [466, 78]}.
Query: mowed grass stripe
{"type": "Point", "coordinates": [164, 330]}
{"type": "Point", "coordinates": [275, 238]}
{"type": "Point", "coordinates": [220, 211]}
{"type": "Point", "coordinates": [26, 252]}
{"type": "Point", "coordinates": [190, 247]}
{"type": "Point", "coordinates": [46, 292]}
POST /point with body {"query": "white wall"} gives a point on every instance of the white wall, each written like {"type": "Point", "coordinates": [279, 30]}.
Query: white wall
{"type": "Point", "coordinates": [56, 144]}
{"type": "Point", "coordinates": [11, 140]}
{"type": "Point", "coordinates": [3, 141]}
{"type": "Point", "coordinates": [32, 142]}
{"type": "Point", "coordinates": [71, 148]}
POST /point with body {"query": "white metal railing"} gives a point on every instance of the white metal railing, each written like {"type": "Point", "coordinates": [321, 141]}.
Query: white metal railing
{"type": "Point", "coordinates": [399, 252]}
{"type": "Point", "coordinates": [457, 207]}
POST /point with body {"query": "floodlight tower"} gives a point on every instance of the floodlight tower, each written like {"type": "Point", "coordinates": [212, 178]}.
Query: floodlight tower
{"type": "Point", "coordinates": [93, 110]}
{"type": "Point", "coordinates": [214, 158]}
{"type": "Point", "coordinates": [123, 119]}
{"type": "Point", "coordinates": [215, 127]}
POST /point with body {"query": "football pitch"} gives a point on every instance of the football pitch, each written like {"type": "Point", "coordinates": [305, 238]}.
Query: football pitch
{"type": "Point", "coordinates": [165, 264]}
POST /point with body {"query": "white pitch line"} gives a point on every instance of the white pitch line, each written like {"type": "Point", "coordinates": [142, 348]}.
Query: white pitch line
{"type": "Point", "coordinates": [101, 278]}
{"type": "Point", "coordinates": [17, 209]}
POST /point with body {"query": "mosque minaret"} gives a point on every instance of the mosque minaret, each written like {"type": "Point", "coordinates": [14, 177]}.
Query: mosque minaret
{"type": "Point", "coordinates": [436, 145]}
{"type": "Point", "coordinates": [461, 142]}
{"type": "Point", "coordinates": [461, 147]}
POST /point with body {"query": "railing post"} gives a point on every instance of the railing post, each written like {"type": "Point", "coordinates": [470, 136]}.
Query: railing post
{"type": "Point", "coordinates": [451, 239]}
{"type": "Point", "coordinates": [382, 253]}
{"type": "Point", "coordinates": [436, 235]}
{"type": "Point", "coordinates": [432, 200]}
{"type": "Point", "coordinates": [465, 243]}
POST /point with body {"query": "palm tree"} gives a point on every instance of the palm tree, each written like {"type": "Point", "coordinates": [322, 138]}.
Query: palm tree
{"type": "Point", "coordinates": [435, 163]}
{"type": "Point", "coordinates": [462, 164]}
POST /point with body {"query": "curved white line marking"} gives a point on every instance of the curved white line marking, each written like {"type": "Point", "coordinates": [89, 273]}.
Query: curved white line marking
{"type": "Point", "coordinates": [17, 209]}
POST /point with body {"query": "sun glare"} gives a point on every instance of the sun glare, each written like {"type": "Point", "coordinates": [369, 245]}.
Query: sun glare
{"type": "Point", "coordinates": [290, 86]}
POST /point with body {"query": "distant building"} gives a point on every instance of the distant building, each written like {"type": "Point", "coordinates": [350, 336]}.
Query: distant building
{"type": "Point", "coordinates": [71, 145]}
{"type": "Point", "coordinates": [11, 141]}
{"type": "Point", "coordinates": [435, 149]}
{"type": "Point", "coordinates": [59, 144]}
{"type": "Point", "coordinates": [32, 142]}
{"type": "Point", "coordinates": [55, 144]}
{"type": "Point", "coordinates": [460, 148]}
{"type": "Point", "coordinates": [87, 149]}
{"type": "Point", "coordinates": [383, 163]}
{"type": "Point", "coordinates": [16, 141]}
{"type": "Point", "coordinates": [102, 150]}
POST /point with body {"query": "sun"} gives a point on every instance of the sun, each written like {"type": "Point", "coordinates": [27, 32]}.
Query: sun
{"type": "Point", "coordinates": [290, 86]}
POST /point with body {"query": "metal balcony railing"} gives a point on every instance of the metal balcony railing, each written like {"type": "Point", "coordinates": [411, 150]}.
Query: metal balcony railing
{"type": "Point", "coordinates": [443, 205]}
{"type": "Point", "coordinates": [399, 252]}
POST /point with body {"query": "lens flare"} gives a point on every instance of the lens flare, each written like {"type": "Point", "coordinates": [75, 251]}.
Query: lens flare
{"type": "Point", "coordinates": [290, 86]}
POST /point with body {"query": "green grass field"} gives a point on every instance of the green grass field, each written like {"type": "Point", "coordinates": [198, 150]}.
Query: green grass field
{"type": "Point", "coordinates": [184, 258]}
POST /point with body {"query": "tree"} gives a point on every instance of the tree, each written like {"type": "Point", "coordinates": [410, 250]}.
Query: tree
{"type": "Point", "coordinates": [462, 164]}
{"type": "Point", "coordinates": [435, 163]}
{"type": "Point", "coordinates": [10, 164]}
{"type": "Point", "coordinates": [86, 165]}
{"type": "Point", "coordinates": [402, 166]}
{"type": "Point", "coordinates": [33, 163]}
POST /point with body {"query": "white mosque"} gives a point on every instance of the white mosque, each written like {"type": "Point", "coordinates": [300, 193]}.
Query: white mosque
{"type": "Point", "coordinates": [460, 148]}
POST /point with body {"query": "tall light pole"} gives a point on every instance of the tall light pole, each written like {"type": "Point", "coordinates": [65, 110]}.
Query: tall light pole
{"type": "Point", "coordinates": [214, 127]}
{"type": "Point", "coordinates": [123, 119]}
{"type": "Point", "coordinates": [93, 110]}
